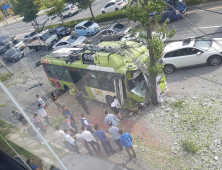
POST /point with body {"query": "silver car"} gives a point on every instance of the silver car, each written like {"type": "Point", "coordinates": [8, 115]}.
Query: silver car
{"type": "Point", "coordinates": [70, 42]}
{"type": "Point", "coordinates": [114, 32]}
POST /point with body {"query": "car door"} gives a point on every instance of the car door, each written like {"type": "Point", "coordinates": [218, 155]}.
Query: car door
{"type": "Point", "coordinates": [110, 7]}
{"type": "Point", "coordinates": [78, 30]}
{"type": "Point", "coordinates": [173, 58]}
{"type": "Point", "coordinates": [104, 35]}
{"type": "Point", "coordinates": [192, 58]}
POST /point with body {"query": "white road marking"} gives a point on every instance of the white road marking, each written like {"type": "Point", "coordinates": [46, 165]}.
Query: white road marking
{"type": "Point", "coordinates": [209, 27]}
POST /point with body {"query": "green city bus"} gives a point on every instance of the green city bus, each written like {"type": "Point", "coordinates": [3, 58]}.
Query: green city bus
{"type": "Point", "coordinates": [102, 74]}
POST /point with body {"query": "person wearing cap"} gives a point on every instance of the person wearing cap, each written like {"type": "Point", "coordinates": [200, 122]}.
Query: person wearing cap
{"type": "Point", "coordinates": [40, 101]}
{"type": "Point", "coordinates": [31, 165]}
{"type": "Point", "coordinates": [72, 89]}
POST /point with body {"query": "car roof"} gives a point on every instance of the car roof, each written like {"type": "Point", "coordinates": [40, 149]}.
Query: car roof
{"type": "Point", "coordinates": [177, 45]}
{"type": "Point", "coordinates": [81, 23]}
{"type": "Point", "coordinates": [112, 1]}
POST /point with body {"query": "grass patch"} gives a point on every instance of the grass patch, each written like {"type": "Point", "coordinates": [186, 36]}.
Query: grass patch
{"type": "Point", "coordinates": [58, 120]}
{"type": "Point", "coordinates": [4, 146]}
{"type": "Point", "coordinates": [190, 146]}
{"type": "Point", "coordinates": [179, 104]}
{"type": "Point", "coordinates": [3, 105]}
{"type": "Point", "coordinates": [4, 77]}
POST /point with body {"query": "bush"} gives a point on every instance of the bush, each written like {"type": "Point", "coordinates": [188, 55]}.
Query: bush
{"type": "Point", "coordinates": [109, 16]}
{"type": "Point", "coordinates": [179, 103]}
{"type": "Point", "coordinates": [190, 146]}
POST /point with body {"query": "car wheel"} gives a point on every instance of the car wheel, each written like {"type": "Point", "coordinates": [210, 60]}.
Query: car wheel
{"type": "Point", "coordinates": [103, 12]}
{"type": "Point", "coordinates": [214, 60]}
{"type": "Point", "coordinates": [168, 20]}
{"type": "Point", "coordinates": [70, 14]}
{"type": "Point", "coordinates": [169, 68]}
{"type": "Point", "coordinates": [89, 34]}
{"type": "Point", "coordinates": [116, 9]}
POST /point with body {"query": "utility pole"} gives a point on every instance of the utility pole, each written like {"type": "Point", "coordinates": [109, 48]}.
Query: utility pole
{"type": "Point", "coordinates": [9, 3]}
{"type": "Point", "coordinates": [3, 17]}
{"type": "Point", "coordinates": [6, 67]}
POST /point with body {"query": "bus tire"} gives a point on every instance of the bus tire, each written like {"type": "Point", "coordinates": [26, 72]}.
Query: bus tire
{"type": "Point", "coordinates": [108, 100]}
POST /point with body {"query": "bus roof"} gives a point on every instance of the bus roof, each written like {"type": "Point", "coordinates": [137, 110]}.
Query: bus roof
{"type": "Point", "coordinates": [129, 52]}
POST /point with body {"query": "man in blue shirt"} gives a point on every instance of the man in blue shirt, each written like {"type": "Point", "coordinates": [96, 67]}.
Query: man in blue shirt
{"type": "Point", "coordinates": [126, 141]}
{"type": "Point", "coordinates": [30, 164]}
{"type": "Point", "coordinates": [104, 139]}
{"type": "Point", "coordinates": [110, 118]}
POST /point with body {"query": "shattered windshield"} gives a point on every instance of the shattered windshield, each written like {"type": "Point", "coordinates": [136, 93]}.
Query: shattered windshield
{"type": "Point", "coordinates": [136, 83]}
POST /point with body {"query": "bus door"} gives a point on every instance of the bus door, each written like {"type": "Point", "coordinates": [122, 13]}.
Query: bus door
{"type": "Point", "coordinates": [119, 91]}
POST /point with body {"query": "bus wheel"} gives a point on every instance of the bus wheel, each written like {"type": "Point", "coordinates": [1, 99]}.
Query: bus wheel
{"type": "Point", "coordinates": [108, 100]}
{"type": "Point", "coordinates": [66, 88]}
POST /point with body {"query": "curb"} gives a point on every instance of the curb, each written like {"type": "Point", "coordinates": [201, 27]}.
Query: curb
{"type": "Point", "coordinates": [205, 4]}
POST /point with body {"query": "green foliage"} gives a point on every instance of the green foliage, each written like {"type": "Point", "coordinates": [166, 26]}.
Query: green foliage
{"type": "Point", "coordinates": [110, 16]}
{"type": "Point", "coordinates": [4, 77]}
{"type": "Point", "coordinates": [3, 105]}
{"type": "Point", "coordinates": [26, 8]}
{"type": "Point", "coordinates": [179, 104]}
{"type": "Point", "coordinates": [190, 146]}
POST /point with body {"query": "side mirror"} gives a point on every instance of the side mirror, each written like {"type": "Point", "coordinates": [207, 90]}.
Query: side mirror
{"type": "Point", "coordinates": [84, 28]}
{"type": "Point", "coordinates": [199, 53]}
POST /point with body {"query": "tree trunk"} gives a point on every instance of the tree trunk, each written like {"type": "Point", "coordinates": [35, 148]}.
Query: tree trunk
{"type": "Point", "coordinates": [90, 7]}
{"type": "Point", "coordinates": [61, 19]}
{"type": "Point", "coordinates": [152, 60]}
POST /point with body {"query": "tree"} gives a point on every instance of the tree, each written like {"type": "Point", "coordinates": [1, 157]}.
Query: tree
{"type": "Point", "coordinates": [83, 4]}
{"type": "Point", "coordinates": [27, 8]}
{"type": "Point", "coordinates": [141, 12]}
{"type": "Point", "coordinates": [57, 7]}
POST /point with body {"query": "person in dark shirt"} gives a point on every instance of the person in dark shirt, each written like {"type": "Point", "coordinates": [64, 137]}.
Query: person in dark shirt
{"type": "Point", "coordinates": [66, 111]}
{"type": "Point", "coordinates": [81, 101]}
{"type": "Point", "coordinates": [30, 164]}
{"type": "Point", "coordinates": [54, 98]}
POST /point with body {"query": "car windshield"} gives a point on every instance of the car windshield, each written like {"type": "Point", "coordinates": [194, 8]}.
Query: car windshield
{"type": "Point", "coordinates": [175, 2]}
{"type": "Point", "coordinates": [10, 52]}
{"type": "Point", "coordinates": [14, 42]}
{"type": "Point", "coordinates": [73, 38]}
{"type": "Point", "coordinates": [47, 35]}
{"type": "Point", "coordinates": [59, 28]}
{"type": "Point", "coordinates": [203, 43]}
{"type": "Point", "coordinates": [118, 27]}
{"type": "Point", "coordinates": [88, 24]}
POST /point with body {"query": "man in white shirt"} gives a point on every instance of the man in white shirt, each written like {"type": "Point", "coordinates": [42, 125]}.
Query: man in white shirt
{"type": "Point", "coordinates": [87, 138]}
{"type": "Point", "coordinates": [40, 101]}
{"type": "Point", "coordinates": [42, 113]}
{"type": "Point", "coordinates": [71, 141]}
{"type": "Point", "coordinates": [60, 135]}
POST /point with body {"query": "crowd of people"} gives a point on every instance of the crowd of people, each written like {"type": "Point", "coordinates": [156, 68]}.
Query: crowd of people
{"type": "Point", "coordinates": [70, 136]}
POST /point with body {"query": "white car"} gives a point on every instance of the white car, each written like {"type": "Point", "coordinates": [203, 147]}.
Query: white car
{"type": "Point", "coordinates": [192, 51]}
{"type": "Point", "coordinates": [70, 10]}
{"type": "Point", "coordinates": [17, 43]}
{"type": "Point", "coordinates": [70, 42]}
{"type": "Point", "coordinates": [114, 5]}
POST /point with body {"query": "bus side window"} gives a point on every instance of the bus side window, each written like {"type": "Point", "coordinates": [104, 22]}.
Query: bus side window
{"type": "Point", "coordinates": [92, 80]}
{"type": "Point", "coordinates": [105, 83]}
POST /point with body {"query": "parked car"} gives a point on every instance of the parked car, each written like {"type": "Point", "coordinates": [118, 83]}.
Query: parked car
{"type": "Point", "coordinates": [87, 28]}
{"type": "Point", "coordinates": [114, 31]}
{"type": "Point", "coordinates": [29, 36]}
{"type": "Point", "coordinates": [17, 43]}
{"type": "Point", "coordinates": [114, 5]}
{"type": "Point", "coordinates": [62, 31]}
{"type": "Point", "coordinates": [70, 42]}
{"type": "Point", "coordinates": [70, 10]}
{"type": "Point", "coordinates": [4, 39]}
{"type": "Point", "coordinates": [172, 13]}
{"type": "Point", "coordinates": [136, 36]}
{"type": "Point", "coordinates": [3, 48]}
{"type": "Point", "coordinates": [12, 55]}
{"type": "Point", "coordinates": [190, 52]}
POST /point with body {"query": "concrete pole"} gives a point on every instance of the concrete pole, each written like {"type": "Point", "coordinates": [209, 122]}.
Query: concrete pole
{"type": "Point", "coordinates": [3, 17]}
{"type": "Point", "coordinates": [6, 67]}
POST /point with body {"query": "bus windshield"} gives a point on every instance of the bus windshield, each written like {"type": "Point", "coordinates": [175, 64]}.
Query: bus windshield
{"type": "Point", "coordinates": [136, 83]}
